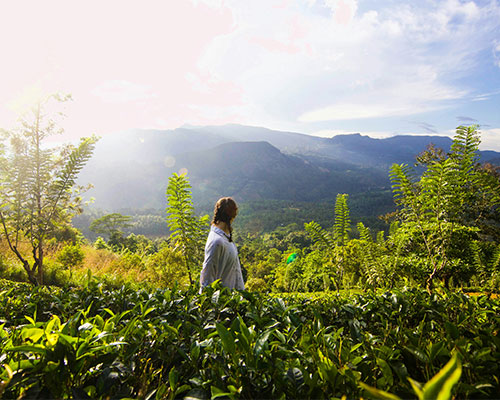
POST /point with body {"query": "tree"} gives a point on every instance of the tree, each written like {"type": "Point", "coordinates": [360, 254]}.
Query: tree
{"type": "Point", "coordinates": [110, 223]}
{"type": "Point", "coordinates": [38, 189]}
{"type": "Point", "coordinates": [445, 209]}
{"type": "Point", "coordinates": [333, 243]}
{"type": "Point", "coordinates": [188, 231]}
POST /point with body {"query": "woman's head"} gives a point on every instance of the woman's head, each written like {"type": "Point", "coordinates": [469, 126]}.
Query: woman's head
{"type": "Point", "coordinates": [225, 211]}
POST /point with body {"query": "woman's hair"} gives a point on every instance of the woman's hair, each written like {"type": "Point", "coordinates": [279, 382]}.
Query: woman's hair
{"type": "Point", "coordinates": [225, 210]}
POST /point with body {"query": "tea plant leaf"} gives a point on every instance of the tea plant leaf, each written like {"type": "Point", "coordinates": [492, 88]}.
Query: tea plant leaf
{"type": "Point", "coordinates": [386, 371]}
{"type": "Point", "coordinates": [226, 338]}
{"type": "Point", "coordinates": [181, 389]}
{"type": "Point", "coordinates": [216, 392]}
{"type": "Point", "coordinates": [261, 343]}
{"type": "Point", "coordinates": [173, 377]}
{"type": "Point", "coordinates": [377, 393]}
{"type": "Point", "coordinates": [27, 349]}
{"type": "Point", "coordinates": [417, 387]}
{"type": "Point", "coordinates": [32, 334]}
{"type": "Point", "coordinates": [440, 386]}
{"type": "Point", "coordinates": [196, 394]}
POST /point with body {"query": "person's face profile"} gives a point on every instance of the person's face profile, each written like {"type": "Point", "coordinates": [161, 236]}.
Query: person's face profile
{"type": "Point", "coordinates": [234, 213]}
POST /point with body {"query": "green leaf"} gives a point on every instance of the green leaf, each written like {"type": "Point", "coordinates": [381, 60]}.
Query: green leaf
{"type": "Point", "coordinates": [377, 393]}
{"type": "Point", "coordinates": [440, 386]}
{"type": "Point", "coordinates": [173, 377]}
{"type": "Point", "coordinates": [261, 343]}
{"type": "Point", "coordinates": [216, 392]}
{"type": "Point", "coordinates": [226, 337]}
{"type": "Point", "coordinates": [181, 389]}
{"type": "Point", "coordinates": [33, 334]}
{"type": "Point", "coordinates": [417, 387]}
{"type": "Point", "coordinates": [27, 349]}
{"type": "Point", "coordinates": [386, 371]}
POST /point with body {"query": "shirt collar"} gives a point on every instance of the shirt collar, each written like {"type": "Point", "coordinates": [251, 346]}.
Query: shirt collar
{"type": "Point", "coordinates": [219, 231]}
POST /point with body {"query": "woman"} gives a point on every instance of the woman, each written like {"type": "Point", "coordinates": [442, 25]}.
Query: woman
{"type": "Point", "coordinates": [221, 256]}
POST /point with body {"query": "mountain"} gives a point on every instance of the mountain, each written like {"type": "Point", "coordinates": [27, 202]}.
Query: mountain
{"type": "Point", "coordinates": [130, 170]}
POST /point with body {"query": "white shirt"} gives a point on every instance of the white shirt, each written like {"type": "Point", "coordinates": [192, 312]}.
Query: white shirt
{"type": "Point", "coordinates": [221, 261]}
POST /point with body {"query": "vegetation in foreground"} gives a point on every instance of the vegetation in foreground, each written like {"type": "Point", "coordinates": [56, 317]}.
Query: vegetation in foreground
{"type": "Point", "coordinates": [101, 340]}
{"type": "Point", "coordinates": [97, 342]}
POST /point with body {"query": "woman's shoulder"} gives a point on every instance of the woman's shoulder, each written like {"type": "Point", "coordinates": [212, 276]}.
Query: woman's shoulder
{"type": "Point", "coordinates": [216, 239]}
{"type": "Point", "coordinates": [217, 232]}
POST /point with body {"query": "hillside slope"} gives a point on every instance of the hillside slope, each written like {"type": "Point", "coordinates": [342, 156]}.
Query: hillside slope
{"type": "Point", "coordinates": [131, 169]}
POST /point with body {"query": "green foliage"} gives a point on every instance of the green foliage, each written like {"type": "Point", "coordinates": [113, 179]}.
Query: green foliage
{"type": "Point", "coordinates": [445, 209]}
{"type": "Point", "coordinates": [169, 267]}
{"type": "Point", "coordinates": [100, 244]}
{"type": "Point", "coordinates": [188, 231]}
{"type": "Point", "coordinates": [121, 343]}
{"type": "Point", "coordinates": [110, 223]}
{"type": "Point", "coordinates": [342, 224]}
{"type": "Point", "coordinates": [38, 189]}
{"type": "Point", "coordinates": [70, 256]}
{"type": "Point", "coordinates": [438, 388]}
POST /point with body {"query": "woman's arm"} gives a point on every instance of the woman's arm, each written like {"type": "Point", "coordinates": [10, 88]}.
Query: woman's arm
{"type": "Point", "coordinates": [209, 271]}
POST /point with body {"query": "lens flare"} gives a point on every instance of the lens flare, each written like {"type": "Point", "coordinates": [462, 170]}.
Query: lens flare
{"type": "Point", "coordinates": [183, 171]}
{"type": "Point", "coordinates": [169, 161]}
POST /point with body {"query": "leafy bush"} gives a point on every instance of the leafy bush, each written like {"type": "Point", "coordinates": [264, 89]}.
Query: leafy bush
{"type": "Point", "coordinates": [100, 342]}
{"type": "Point", "coordinates": [169, 267]}
{"type": "Point", "coordinates": [71, 256]}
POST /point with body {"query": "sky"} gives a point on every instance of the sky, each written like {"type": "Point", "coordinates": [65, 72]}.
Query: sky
{"type": "Point", "coordinates": [321, 67]}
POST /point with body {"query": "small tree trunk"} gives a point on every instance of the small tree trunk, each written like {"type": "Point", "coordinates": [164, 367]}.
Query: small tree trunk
{"type": "Point", "coordinates": [30, 272]}
{"type": "Point", "coordinates": [40, 263]}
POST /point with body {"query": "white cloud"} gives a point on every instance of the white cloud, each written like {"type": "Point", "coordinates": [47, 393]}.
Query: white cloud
{"type": "Point", "coordinates": [118, 91]}
{"type": "Point", "coordinates": [400, 60]}
{"type": "Point", "coordinates": [490, 139]}
{"type": "Point", "coordinates": [496, 53]}
{"type": "Point", "coordinates": [345, 111]}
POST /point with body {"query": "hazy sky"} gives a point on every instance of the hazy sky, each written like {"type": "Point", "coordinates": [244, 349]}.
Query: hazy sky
{"type": "Point", "coordinates": [312, 66]}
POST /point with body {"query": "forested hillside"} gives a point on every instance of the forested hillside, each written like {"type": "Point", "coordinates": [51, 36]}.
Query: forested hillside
{"type": "Point", "coordinates": [129, 170]}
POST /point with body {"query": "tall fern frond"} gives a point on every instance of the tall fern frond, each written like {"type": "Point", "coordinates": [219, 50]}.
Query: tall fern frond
{"type": "Point", "coordinates": [342, 224]}
{"type": "Point", "coordinates": [66, 178]}
{"type": "Point", "coordinates": [364, 232]}
{"type": "Point", "coordinates": [479, 266]}
{"type": "Point", "coordinates": [319, 235]}
{"type": "Point", "coordinates": [380, 238]}
{"type": "Point", "coordinates": [404, 189]}
{"type": "Point", "coordinates": [495, 259]}
{"type": "Point", "coordinates": [464, 148]}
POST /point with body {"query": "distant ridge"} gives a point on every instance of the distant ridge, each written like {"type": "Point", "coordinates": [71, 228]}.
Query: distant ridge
{"type": "Point", "coordinates": [131, 169]}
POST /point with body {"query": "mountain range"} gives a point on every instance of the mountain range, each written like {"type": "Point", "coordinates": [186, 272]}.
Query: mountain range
{"type": "Point", "coordinates": [130, 170]}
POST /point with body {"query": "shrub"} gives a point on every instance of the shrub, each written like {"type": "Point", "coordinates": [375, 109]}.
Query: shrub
{"type": "Point", "coordinates": [169, 267]}
{"type": "Point", "coordinates": [71, 256]}
{"type": "Point", "coordinates": [100, 244]}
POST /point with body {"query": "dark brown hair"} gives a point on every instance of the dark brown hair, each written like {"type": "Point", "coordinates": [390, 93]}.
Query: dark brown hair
{"type": "Point", "coordinates": [225, 210]}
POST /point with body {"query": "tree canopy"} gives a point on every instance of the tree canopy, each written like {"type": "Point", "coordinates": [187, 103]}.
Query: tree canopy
{"type": "Point", "coordinates": [38, 190]}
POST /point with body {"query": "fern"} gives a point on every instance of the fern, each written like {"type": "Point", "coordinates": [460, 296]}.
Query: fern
{"type": "Point", "coordinates": [364, 233]}
{"type": "Point", "coordinates": [319, 235]}
{"type": "Point", "coordinates": [342, 224]}
{"type": "Point", "coordinates": [495, 259]}
{"type": "Point", "coordinates": [404, 189]}
{"type": "Point", "coordinates": [187, 230]}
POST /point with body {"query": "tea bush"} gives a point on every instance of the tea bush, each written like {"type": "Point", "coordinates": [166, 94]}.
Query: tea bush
{"type": "Point", "coordinates": [99, 342]}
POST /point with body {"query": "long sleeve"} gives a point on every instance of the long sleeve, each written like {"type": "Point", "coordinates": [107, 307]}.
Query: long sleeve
{"type": "Point", "coordinates": [212, 255]}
